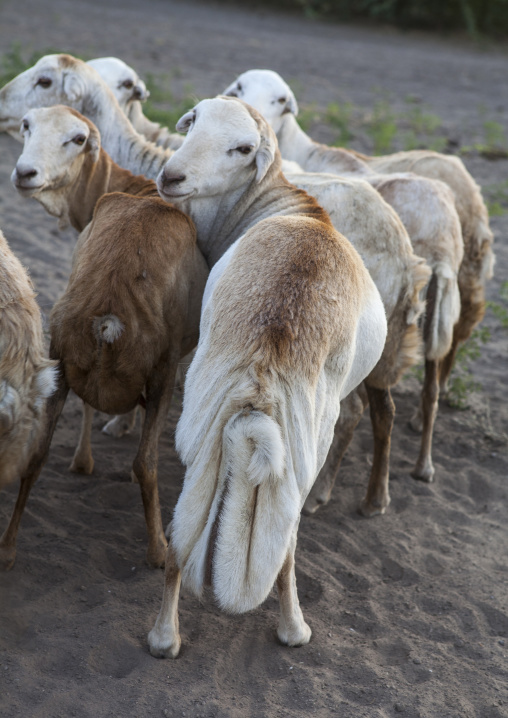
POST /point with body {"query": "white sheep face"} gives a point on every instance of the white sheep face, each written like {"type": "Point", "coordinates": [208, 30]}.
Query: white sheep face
{"type": "Point", "coordinates": [51, 81]}
{"type": "Point", "coordinates": [121, 79]}
{"type": "Point", "coordinates": [227, 146]}
{"type": "Point", "coordinates": [267, 92]}
{"type": "Point", "coordinates": [56, 140]}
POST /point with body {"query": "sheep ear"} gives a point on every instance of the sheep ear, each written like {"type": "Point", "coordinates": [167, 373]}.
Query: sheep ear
{"type": "Point", "coordinates": [93, 145]}
{"type": "Point", "coordinates": [232, 90]}
{"type": "Point", "coordinates": [73, 87]}
{"type": "Point", "coordinates": [291, 104]}
{"type": "Point", "coordinates": [184, 123]}
{"type": "Point", "coordinates": [264, 157]}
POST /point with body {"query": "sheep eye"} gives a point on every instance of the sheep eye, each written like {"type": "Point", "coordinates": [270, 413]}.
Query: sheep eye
{"type": "Point", "coordinates": [128, 84]}
{"type": "Point", "coordinates": [244, 149]}
{"type": "Point", "coordinates": [239, 86]}
{"type": "Point", "coordinates": [44, 82]}
{"type": "Point", "coordinates": [281, 100]}
{"type": "Point", "coordinates": [25, 125]}
{"type": "Point", "coordinates": [79, 139]}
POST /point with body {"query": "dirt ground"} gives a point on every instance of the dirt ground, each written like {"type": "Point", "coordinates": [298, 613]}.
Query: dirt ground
{"type": "Point", "coordinates": [409, 611]}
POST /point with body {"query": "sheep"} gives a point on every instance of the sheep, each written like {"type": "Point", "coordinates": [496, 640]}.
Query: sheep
{"type": "Point", "coordinates": [66, 80]}
{"type": "Point", "coordinates": [27, 376]}
{"type": "Point", "coordinates": [267, 91]}
{"type": "Point", "coordinates": [370, 224]}
{"type": "Point", "coordinates": [427, 210]}
{"type": "Point", "coordinates": [130, 91]}
{"type": "Point", "coordinates": [132, 305]}
{"type": "Point", "coordinates": [291, 323]}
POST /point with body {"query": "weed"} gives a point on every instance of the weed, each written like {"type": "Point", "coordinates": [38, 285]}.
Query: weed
{"type": "Point", "coordinates": [382, 127]}
{"type": "Point", "coordinates": [462, 383]}
{"type": "Point", "coordinates": [497, 198]}
{"type": "Point", "coordinates": [494, 145]}
{"type": "Point", "coordinates": [163, 106]}
{"type": "Point", "coordinates": [338, 116]}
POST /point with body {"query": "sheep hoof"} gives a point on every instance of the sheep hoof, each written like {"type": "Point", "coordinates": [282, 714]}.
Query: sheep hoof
{"type": "Point", "coordinates": [117, 427]}
{"type": "Point", "coordinates": [416, 423]}
{"type": "Point", "coordinates": [82, 465]}
{"type": "Point", "coordinates": [297, 636]}
{"type": "Point", "coordinates": [162, 645]}
{"type": "Point", "coordinates": [371, 508]}
{"type": "Point", "coordinates": [7, 557]}
{"type": "Point", "coordinates": [156, 557]}
{"type": "Point", "coordinates": [423, 473]}
{"type": "Point", "coordinates": [312, 504]}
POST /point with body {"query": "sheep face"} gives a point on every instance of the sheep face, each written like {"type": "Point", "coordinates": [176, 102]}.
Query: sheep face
{"type": "Point", "coordinates": [121, 79]}
{"type": "Point", "coordinates": [57, 139]}
{"type": "Point", "coordinates": [228, 146]}
{"type": "Point", "coordinates": [267, 92]}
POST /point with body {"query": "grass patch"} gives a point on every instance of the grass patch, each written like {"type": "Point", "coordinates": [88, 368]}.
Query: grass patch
{"type": "Point", "coordinates": [382, 127]}
{"type": "Point", "coordinates": [496, 196]}
{"type": "Point", "coordinates": [338, 116]}
{"type": "Point", "coordinates": [163, 105]}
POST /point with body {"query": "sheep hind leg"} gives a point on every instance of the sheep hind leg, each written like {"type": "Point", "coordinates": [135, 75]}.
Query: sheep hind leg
{"type": "Point", "coordinates": [471, 314]}
{"type": "Point", "coordinates": [159, 390]}
{"type": "Point", "coordinates": [292, 631]}
{"type": "Point", "coordinates": [382, 412]}
{"type": "Point", "coordinates": [164, 639]}
{"type": "Point", "coordinates": [54, 407]}
{"type": "Point", "coordinates": [120, 425]}
{"type": "Point", "coordinates": [82, 461]}
{"type": "Point", "coordinates": [424, 470]}
{"type": "Point", "coordinates": [351, 411]}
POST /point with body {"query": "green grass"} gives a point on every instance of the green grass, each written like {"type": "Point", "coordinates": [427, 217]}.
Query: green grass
{"type": "Point", "coordinates": [496, 197]}
{"type": "Point", "coordinates": [163, 106]}
{"type": "Point", "coordinates": [338, 116]}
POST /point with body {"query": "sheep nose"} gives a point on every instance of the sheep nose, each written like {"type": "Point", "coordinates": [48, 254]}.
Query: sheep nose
{"type": "Point", "coordinates": [167, 180]}
{"type": "Point", "coordinates": [26, 173]}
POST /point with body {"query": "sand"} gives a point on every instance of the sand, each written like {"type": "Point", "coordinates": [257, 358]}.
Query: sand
{"type": "Point", "coordinates": [409, 611]}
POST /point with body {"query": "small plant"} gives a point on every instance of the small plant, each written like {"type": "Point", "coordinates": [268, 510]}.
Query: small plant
{"type": "Point", "coordinates": [382, 127]}
{"type": "Point", "coordinates": [338, 116]}
{"type": "Point", "coordinates": [500, 310]}
{"type": "Point", "coordinates": [494, 145]}
{"type": "Point", "coordinates": [163, 106]}
{"type": "Point", "coordinates": [307, 116]}
{"type": "Point", "coordinates": [497, 198]}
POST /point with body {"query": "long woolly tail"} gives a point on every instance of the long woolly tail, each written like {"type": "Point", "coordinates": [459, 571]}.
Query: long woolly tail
{"type": "Point", "coordinates": [255, 509]}
{"type": "Point", "coordinates": [442, 311]}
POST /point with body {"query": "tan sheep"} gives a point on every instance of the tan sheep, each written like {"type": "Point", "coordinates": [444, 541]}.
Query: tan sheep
{"type": "Point", "coordinates": [131, 309]}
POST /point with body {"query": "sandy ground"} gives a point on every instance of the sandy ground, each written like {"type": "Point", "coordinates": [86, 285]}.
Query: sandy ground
{"type": "Point", "coordinates": [409, 611]}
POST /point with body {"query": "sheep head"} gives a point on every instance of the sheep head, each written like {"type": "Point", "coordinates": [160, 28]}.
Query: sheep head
{"type": "Point", "coordinates": [267, 92]}
{"type": "Point", "coordinates": [53, 80]}
{"type": "Point", "coordinates": [228, 145]}
{"type": "Point", "coordinates": [57, 140]}
{"type": "Point", "coordinates": [121, 79]}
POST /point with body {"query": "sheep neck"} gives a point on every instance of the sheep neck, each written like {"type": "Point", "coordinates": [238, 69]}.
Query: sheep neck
{"type": "Point", "coordinates": [119, 138]}
{"type": "Point", "coordinates": [221, 221]}
{"type": "Point", "coordinates": [296, 145]}
{"type": "Point", "coordinates": [75, 203]}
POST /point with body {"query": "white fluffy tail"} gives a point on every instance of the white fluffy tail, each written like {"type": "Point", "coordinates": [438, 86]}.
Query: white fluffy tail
{"type": "Point", "coordinates": [107, 328]}
{"type": "Point", "coordinates": [442, 313]}
{"type": "Point", "coordinates": [250, 521]}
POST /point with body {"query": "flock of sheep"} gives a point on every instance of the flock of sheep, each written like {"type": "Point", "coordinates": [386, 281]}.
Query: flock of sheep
{"type": "Point", "coordinates": [243, 254]}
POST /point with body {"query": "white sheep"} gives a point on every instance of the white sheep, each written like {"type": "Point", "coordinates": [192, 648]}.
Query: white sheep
{"type": "Point", "coordinates": [66, 80]}
{"type": "Point", "coordinates": [131, 309]}
{"type": "Point", "coordinates": [130, 91]}
{"type": "Point", "coordinates": [27, 377]}
{"type": "Point", "coordinates": [291, 323]}
{"type": "Point", "coordinates": [268, 92]}
{"type": "Point", "coordinates": [426, 208]}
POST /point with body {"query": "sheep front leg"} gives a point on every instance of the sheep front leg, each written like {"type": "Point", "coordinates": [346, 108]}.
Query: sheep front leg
{"type": "Point", "coordinates": [164, 638]}
{"type": "Point", "coordinates": [292, 631]}
{"type": "Point", "coordinates": [54, 407]}
{"type": "Point", "coordinates": [382, 412]}
{"type": "Point", "coordinates": [82, 461]}
{"type": "Point", "coordinates": [424, 470]}
{"type": "Point", "coordinates": [159, 390]}
{"type": "Point", "coordinates": [351, 410]}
